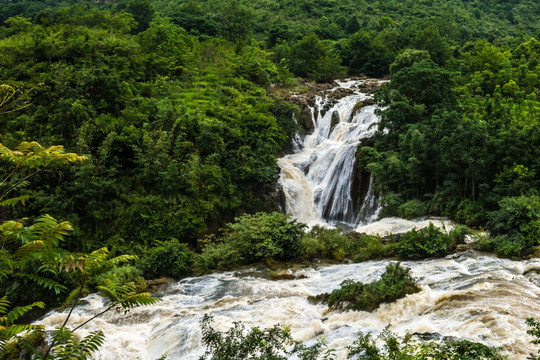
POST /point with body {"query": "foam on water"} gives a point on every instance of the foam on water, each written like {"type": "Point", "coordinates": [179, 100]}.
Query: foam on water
{"type": "Point", "coordinates": [468, 296]}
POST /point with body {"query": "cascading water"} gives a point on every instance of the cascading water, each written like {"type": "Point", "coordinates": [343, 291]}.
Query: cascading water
{"type": "Point", "coordinates": [317, 178]}
{"type": "Point", "coordinates": [466, 295]}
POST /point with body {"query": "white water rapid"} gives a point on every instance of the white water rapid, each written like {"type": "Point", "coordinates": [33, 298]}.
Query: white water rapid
{"type": "Point", "coordinates": [466, 295]}
{"type": "Point", "coordinates": [317, 178]}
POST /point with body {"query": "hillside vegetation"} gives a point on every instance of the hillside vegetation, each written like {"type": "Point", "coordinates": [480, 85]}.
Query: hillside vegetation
{"type": "Point", "coordinates": [180, 108]}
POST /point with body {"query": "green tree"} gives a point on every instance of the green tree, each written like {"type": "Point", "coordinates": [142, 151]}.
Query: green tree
{"type": "Point", "coordinates": [312, 58]}
{"type": "Point", "coordinates": [407, 58]}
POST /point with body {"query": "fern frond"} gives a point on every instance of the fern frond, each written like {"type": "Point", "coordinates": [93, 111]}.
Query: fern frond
{"type": "Point", "coordinates": [14, 201]}
{"type": "Point", "coordinates": [68, 348]}
{"type": "Point", "coordinates": [46, 228]}
{"type": "Point", "coordinates": [19, 311]}
{"type": "Point", "coordinates": [126, 295]}
{"type": "Point", "coordinates": [138, 299]}
{"type": "Point", "coordinates": [45, 282]}
{"type": "Point", "coordinates": [4, 305]}
{"type": "Point", "coordinates": [91, 343]}
{"type": "Point", "coordinates": [123, 259]}
{"type": "Point", "coordinates": [62, 335]}
{"type": "Point", "coordinates": [13, 330]}
{"type": "Point", "coordinates": [22, 184]}
{"type": "Point", "coordinates": [29, 249]}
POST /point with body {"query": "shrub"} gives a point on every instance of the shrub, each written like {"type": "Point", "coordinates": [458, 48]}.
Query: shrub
{"type": "Point", "coordinates": [396, 347]}
{"type": "Point", "coordinates": [509, 246]}
{"type": "Point", "coordinates": [251, 239]}
{"type": "Point", "coordinates": [390, 203]}
{"type": "Point", "coordinates": [423, 243]}
{"type": "Point", "coordinates": [325, 243]}
{"type": "Point", "coordinates": [217, 256]}
{"type": "Point", "coordinates": [457, 235]}
{"type": "Point", "coordinates": [371, 247]}
{"type": "Point", "coordinates": [122, 275]}
{"type": "Point", "coordinates": [395, 283]}
{"type": "Point", "coordinates": [470, 213]}
{"type": "Point", "coordinates": [275, 343]}
{"type": "Point", "coordinates": [516, 225]}
{"type": "Point", "coordinates": [412, 209]}
{"type": "Point", "coordinates": [169, 258]}
{"type": "Point", "coordinates": [236, 344]}
{"type": "Point", "coordinates": [485, 243]}
{"type": "Point", "coordinates": [332, 244]}
{"type": "Point", "coordinates": [514, 215]}
{"type": "Point", "coordinates": [535, 332]}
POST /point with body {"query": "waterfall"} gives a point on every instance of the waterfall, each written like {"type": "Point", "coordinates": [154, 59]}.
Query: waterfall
{"type": "Point", "coordinates": [317, 178]}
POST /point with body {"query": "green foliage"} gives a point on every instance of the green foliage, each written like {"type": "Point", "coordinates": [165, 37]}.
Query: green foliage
{"type": "Point", "coordinates": [412, 208]}
{"type": "Point", "coordinates": [34, 252]}
{"type": "Point", "coordinates": [450, 158]}
{"type": "Point", "coordinates": [169, 102]}
{"type": "Point", "coordinates": [515, 225]}
{"type": "Point", "coordinates": [325, 243]}
{"type": "Point", "coordinates": [235, 345]}
{"type": "Point", "coordinates": [535, 332]}
{"type": "Point", "coordinates": [395, 283]}
{"type": "Point", "coordinates": [407, 58]}
{"type": "Point", "coordinates": [332, 244]}
{"type": "Point", "coordinates": [169, 258]}
{"type": "Point", "coordinates": [275, 343]}
{"type": "Point", "coordinates": [424, 83]}
{"type": "Point", "coordinates": [123, 274]}
{"type": "Point", "coordinates": [395, 347]}
{"type": "Point", "coordinates": [514, 215]}
{"type": "Point", "coordinates": [253, 238]}
{"type": "Point", "coordinates": [427, 242]}
{"type": "Point", "coordinates": [312, 58]}
{"type": "Point", "coordinates": [69, 346]}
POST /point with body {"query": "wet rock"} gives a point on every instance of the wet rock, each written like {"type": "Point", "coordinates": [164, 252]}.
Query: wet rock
{"type": "Point", "coordinates": [463, 247]}
{"type": "Point", "coordinates": [327, 106]}
{"type": "Point", "coordinates": [282, 275]}
{"type": "Point", "coordinates": [370, 85]}
{"type": "Point", "coordinates": [305, 119]}
{"type": "Point", "coordinates": [335, 120]}
{"type": "Point", "coordinates": [159, 285]}
{"type": "Point", "coordinates": [428, 335]}
{"type": "Point", "coordinates": [339, 93]}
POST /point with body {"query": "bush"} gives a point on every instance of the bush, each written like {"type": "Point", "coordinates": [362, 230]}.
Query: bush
{"type": "Point", "coordinates": [427, 242]}
{"type": "Point", "coordinates": [535, 332]}
{"type": "Point", "coordinates": [275, 343]}
{"type": "Point", "coordinates": [371, 247]}
{"type": "Point", "coordinates": [122, 275]}
{"type": "Point", "coordinates": [217, 256]}
{"type": "Point", "coordinates": [516, 225]}
{"type": "Point", "coordinates": [251, 239]}
{"type": "Point", "coordinates": [457, 235]}
{"type": "Point", "coordinates": [390, 203]}
{"type": "Point", "coordinates": [396, 347]}
{"type": "Point", "coordinates": [470, 213]}
{"type": "Point", "coordinates": [325, 243]}
{"type": "Point", "coordinates": [509, 246]}
{"type": "Point", "coordinates": [514, 215]}
{"type": "Point", "coordinates": [395, 283]}
{"type": "Point", "coordinates": [169, 258]}
{"type": "Point", "coordinates": [332, 244]}
{"type": "Point", "coordinates": [412, 209]}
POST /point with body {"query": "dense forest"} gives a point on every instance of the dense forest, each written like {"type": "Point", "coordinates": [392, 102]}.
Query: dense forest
{"type": "Point", "coordinates": [179, 109]}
